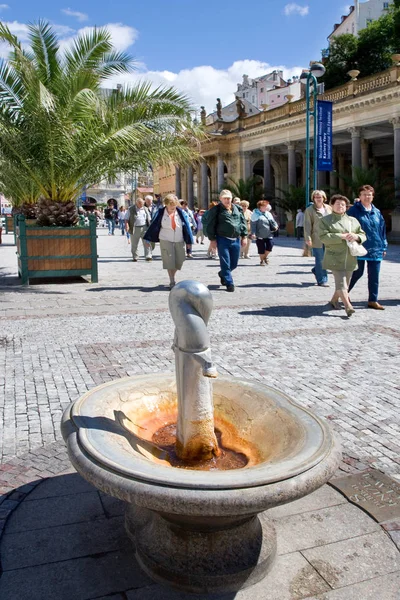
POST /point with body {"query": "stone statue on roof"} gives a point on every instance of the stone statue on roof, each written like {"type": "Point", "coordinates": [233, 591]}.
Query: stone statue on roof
{"type": "Point", "coordinates": [240, 107]}
{"type": "Point", "coordinates": [203, 115]}
{"type": "Point", "coordinates": [219, 109]}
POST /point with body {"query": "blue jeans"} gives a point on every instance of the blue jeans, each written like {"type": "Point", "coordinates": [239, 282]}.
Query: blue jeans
{"type": "Point", "coordinates": [374, 267]}
{"type": "Point", "coordinates": [229, 251]}
{"type": "Point", "coordinates": [321, 274]}
{"type": "Point", "coordinates": [122, 226]}
{"type": "Point", "coordinates": [111, 225]}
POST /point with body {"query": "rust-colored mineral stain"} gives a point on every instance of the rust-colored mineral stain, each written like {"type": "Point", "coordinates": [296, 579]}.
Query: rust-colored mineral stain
{"type": "Point", "coordinates": [228, 459]}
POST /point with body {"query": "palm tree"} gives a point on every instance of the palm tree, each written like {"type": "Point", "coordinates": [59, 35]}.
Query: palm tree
{"type": "Point", "coordinates": [384, 187]}
{"type": "Point", "coordinates": [249, 189]}
{"type": "Point", "coordinates": [60, 130]}
{"type": "Point", "coordinates": [291, 199]}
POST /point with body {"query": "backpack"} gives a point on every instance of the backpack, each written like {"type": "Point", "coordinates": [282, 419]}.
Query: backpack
{"type": "Point", "coordinates": [204, 221]}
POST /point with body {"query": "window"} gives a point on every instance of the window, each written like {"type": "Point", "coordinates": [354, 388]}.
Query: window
{"type": "Point", "coordinates": [244, 95]}
{"type": "Point", "coordinates": [385, 5]}
{"type": "Point", "coordinates": [262, 89]}
{"type": "Point", "coordinates": [253, 99]}
{"type": "Point", "coordinates": [369, 21]}
{"type": "Point", "coordinates": [279, 95]}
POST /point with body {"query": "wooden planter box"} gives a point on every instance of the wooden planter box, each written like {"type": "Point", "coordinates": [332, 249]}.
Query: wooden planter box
{"type": "Point", "coordinates": [56, 251]}
{"type": "Point", "coordinates": [10, 224]}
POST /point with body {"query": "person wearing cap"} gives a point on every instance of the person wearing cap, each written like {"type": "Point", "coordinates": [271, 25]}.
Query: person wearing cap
{"type": "Point", "coordinates": [227, 231]}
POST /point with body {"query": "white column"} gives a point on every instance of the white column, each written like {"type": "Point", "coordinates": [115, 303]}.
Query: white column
{"type": "Point", "coordinates": [355, 147]}
{"type": "Point", "coordinates": [220, 172]}
{"type": "Point", "coordinates": [267, 171]}
{"type": "Point", "coordinates": [365, 154]}
{"type": "Point", "coordinates": [204, 185]}
{"type": "Point", "coordinates": [292, 179]}
{"type": "Point", "coordinates": [246, 164]}
{"type": "Point", "coordinates": [189, 192]}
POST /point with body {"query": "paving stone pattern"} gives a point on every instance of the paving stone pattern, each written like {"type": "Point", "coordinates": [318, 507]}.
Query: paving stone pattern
{"type": "Point", "coordinates": [62, 538]}
{"type": "Point", "coordinates": [58, 340]}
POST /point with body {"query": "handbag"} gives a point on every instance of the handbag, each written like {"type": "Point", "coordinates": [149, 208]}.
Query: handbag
{"type": "Point", "coordinates": [355, 248]}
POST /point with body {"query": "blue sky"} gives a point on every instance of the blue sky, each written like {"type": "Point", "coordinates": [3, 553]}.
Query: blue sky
{"type": "Point", "coordinates": [202, 47]}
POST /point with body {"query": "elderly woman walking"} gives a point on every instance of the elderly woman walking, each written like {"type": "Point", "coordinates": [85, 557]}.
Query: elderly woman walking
{"type": "Point", "coordinates": [373, 223]}
{"type": "Point", "coordinates": [318, 209]}
{"type": "Point", "coordinates": [263, 226]}
{"type": "Point", "coordinates": [171, 228]}
{"type": "Point", "coordinates": [335, 230]}
{"type": "Point", "coordinates": [245, 252]}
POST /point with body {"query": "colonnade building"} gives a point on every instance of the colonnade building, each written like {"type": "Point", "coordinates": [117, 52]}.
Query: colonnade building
{"type": "Point", "coordinates": [366, 133]}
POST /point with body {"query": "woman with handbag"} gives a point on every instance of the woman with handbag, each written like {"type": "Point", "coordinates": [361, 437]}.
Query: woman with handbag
{"type": "Point", "coordinates": [338, 232]}
{"type": "Point", "coordinates": [373, 223]}
{"type": "Point", "coordinates": [263, 227]}
{"type": "Point", "coordinates": [171, 227]}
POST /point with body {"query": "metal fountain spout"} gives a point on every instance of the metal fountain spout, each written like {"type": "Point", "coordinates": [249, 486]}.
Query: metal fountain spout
{"type": "Point", "coordinates": [190, 303]}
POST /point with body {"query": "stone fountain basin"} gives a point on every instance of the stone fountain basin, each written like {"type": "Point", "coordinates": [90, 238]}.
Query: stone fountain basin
{"type": "Point", "coordinates": [108, 432]}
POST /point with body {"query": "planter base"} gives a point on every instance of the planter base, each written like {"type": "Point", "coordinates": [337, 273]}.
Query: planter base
{"type": "Point", "coordinates": [201, 555]}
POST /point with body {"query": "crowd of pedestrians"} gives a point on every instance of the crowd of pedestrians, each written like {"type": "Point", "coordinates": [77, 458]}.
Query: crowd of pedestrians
{"type": "Point", "coordinates": [343, 237]}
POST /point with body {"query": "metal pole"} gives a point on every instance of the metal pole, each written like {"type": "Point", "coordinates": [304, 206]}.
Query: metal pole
{"type": "Point", "coordinates": [315, 114]}
{"type": "Point", "coordinates": [308, 140]}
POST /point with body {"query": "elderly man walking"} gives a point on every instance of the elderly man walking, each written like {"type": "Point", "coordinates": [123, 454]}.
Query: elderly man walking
{"type": "Point", "coordinates": [227, 230]}
{"type": "Point", "coordinates": [137, 224]}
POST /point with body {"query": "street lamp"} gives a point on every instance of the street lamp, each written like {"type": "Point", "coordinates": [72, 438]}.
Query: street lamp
{"type": "Point", "coordinates": [310, 77]}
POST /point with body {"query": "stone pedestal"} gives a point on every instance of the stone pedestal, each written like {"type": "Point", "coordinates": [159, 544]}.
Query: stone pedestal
{"type": "Point", "coordinates": [199, 555]}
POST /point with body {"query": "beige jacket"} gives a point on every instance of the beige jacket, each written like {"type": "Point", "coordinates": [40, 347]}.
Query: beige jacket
{"type": "Point", "coordinates": [311, 224]}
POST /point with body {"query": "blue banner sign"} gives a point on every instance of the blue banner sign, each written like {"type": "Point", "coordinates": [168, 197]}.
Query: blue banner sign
{"type": "Point", "coordinates": [324, 136]}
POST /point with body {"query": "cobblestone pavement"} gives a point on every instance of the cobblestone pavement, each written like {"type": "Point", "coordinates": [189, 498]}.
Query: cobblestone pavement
{"type": "Point", "coordinates": [59, 339]}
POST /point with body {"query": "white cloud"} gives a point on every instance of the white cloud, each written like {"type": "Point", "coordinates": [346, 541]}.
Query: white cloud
{"type": "Point", "coordinates": [75, 13]}
{"type": "Point", "coordinates": [204, 84]}
{"type": "Point", "coordinates": [18, 29]}
{"type": "Point", "coordinates": [22, 32]}
{"type": "Point", "coordinates": [122, 36]}
{"type": "Point", "coordinates": [3, 7]}
{"type": "Point", "coordinates": [295, 9]}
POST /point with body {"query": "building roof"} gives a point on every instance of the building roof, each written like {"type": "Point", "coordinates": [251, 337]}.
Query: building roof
{"type": "Point", "coordinates": [344, 18]}
{"type": "Point", "coordinates": [229, 112]}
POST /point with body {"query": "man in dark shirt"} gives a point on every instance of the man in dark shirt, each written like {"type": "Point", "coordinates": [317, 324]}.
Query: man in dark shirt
{"type": "Point", "coordinates": [110, 216]}
{"type": "Point", "coordinates": [227, 231]}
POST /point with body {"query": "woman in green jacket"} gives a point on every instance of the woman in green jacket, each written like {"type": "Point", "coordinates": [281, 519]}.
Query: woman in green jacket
{"type": "Point", "coordinates": [335, 230]}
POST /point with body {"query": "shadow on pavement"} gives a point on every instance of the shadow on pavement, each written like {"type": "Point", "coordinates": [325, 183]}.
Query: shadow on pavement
{"type": "Point", "coordinates": [67, 541]}
{"type": "Point", "coordinates": [298, 311]}
{"type": "Point", "coordinates": [155, 288]}
{"type": "Point", "coordinates": [276, 285]}
{"type": "Point", "coordinates": [301, 311]}
{"type": "Point", "coordinates": [292, 272]}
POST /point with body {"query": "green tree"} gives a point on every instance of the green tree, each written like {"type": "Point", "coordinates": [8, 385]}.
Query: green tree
{"type": "Point", "coordinates": [249, 189]}
{"type": "Point", "coordinates": [341, 59]}
{"type": "Point", "coordinates": [370, 52]}
{"type": "Point", "coordinates": [59, 129]}
{"type": "Point", "coordinates": [384, 188]}
{"type": "Point", "coordinates": [292, 199]}
{"type": "Point", "coordinates": [375, 45]}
